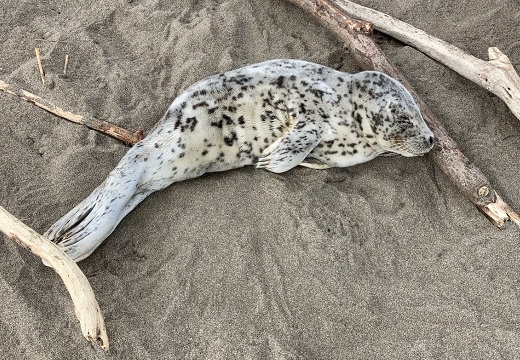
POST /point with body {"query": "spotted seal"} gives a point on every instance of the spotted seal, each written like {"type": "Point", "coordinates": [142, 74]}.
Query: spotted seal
{"type": "Point", "coordinates": [273, 115]}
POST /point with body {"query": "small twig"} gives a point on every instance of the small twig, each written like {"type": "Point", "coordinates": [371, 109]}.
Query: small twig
{"type": "Point", "coordinates": [102, 126]}
{"type": "Point", "coordinates": [496, 75]}
{"type": "Point", "coordinates": [40, 66]}
{"type": "Point", "coordinates": [447, 155]}
{"type": "Point", "coordinates": [66, 65]}
{"type": "Point", "coordinates": [86, 306]}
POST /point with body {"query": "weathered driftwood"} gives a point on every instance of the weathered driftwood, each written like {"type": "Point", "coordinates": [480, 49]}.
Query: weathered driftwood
{"type": "Point", "coordinates": [85, 304]}
{"type": "Point", "coordinates": [496, 75]}
{"type": "Point", "coordinates": [104, 127]}
{"type": "Point", "coordinates": [447, 155]}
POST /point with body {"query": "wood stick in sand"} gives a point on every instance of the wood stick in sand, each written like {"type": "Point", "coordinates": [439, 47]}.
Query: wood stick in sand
{"type": "Point", "coordinates": [86, 306]}
{"type": "Point", "coordinates": [496, 75]}
{"type": "Point", "coordinates": [102, 126]}
{"type": "Point", "coordinates": [447, 155]}
{"type": "Point", "coordinates": [66, 65]}
{"type": "Point", "coordinates": [40, 66]}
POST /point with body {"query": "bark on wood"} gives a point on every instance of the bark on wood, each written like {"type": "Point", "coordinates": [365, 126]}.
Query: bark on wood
{"type": "Point", "coordinates": [496, 75]}
{"type": "Point", "coordinates": [86, 306]}
{"type": "Point", "coordinates": [105, 127]}
{"type": "Point", "coordinates": [447, 155]}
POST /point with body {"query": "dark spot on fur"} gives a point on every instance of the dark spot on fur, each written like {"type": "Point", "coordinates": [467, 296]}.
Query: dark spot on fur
{"type": "Point", "coordinates": [317, 93]}
{"type": "Point", "coordinates": [280, 81]}
{"type": "Point", "coordinates": [228, 120]}
{"type": "Point", "coordinates": [229, 140]}
{"type": "Point", "coordinates": [329, 143]}
{"type": "Point", "coordinates": [358, 118]}
{"type": "Point", "coordinates": [201, 104]}
{"type": "Point", "coordinates": [192, 122]}
{"type": "Point", "coordinates": [217, 123]}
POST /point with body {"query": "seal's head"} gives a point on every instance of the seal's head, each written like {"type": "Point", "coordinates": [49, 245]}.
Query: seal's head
{"type": "Point", "coordinates": [394, 116]}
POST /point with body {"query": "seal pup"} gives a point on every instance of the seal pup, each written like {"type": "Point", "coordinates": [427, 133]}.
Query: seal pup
{"type": "Point", "coordinates": [273, 115]}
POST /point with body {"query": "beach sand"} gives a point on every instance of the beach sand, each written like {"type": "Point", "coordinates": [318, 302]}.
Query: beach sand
{"type": "Point", "coordinates": [385, 260]}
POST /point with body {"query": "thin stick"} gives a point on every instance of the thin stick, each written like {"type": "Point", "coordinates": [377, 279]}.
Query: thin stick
{"type": "Point", "coordinates": [40, 66]}
{"type": "Point", "coordinates": [102, 126]}
{"type": "Point", "coordinates": [447, 155]}
{"type": "Point", "coordinates": [496, 75]}
{"type": "Point", "coordinates": [85, 304]}
{"type": "Point", "coordinates": [65, 65]}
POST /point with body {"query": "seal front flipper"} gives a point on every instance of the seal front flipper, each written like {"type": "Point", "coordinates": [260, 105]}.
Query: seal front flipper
{"type": "Point", "coordinates": [292, 147]}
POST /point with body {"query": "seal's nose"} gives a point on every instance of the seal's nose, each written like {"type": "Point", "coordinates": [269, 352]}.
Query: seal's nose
{"type": "Point", "coordinates": [431, 140]}
{"type": "Point", "coordinates": [432, 143]}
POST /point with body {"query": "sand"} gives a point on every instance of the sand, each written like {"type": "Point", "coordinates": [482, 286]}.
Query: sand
{"type": "Point", "coordinates": [385, 260]}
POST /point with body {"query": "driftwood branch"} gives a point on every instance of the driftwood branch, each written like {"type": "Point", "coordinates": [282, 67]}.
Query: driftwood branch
{"type": "Point", "coordinates": [86, 306]}
{"type": "Point", "coordinates": [346, 22]}
{"type": "Point", "coordinates": [496, 75]}
{"type": "Point", "coordinates": [447, 155]}
{"type": "Point", "coordinates": [104, 127]}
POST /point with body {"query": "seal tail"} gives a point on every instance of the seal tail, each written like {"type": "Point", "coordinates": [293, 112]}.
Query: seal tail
{"type": "Point", "coordinates": [79, 232]}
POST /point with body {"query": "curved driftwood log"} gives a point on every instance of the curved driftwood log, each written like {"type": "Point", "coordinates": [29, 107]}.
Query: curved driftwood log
{"type": "Point", "coordinates": [447, 155]}
{"type": "Point", "coordinates": [87, 308]}
{"type": "Point", "coordinates": [496, 75]}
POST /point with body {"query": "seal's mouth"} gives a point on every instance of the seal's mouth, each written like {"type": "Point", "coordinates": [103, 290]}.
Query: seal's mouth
{"type": "Point", "coordinates": [406, 152]}
{"type": "Point", "coordinates": [409, 148]}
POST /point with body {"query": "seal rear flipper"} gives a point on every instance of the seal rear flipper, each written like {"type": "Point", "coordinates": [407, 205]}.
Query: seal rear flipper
{"type": "Point", "coordinates": [292, 148]}
{"type": "Point", "coordinates": [79, 232]}
{"type": "Point", "coordinates": [72, 218]}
